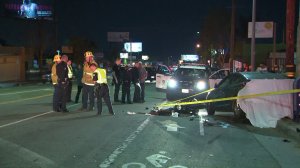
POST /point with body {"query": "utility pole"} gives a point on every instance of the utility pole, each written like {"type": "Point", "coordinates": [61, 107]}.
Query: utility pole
{"type": "Point", "coordinates": [253, 36]}
{"type": "Point", "coordinates": [298, 47]}
{"type": "Point", "coordinates": [290, 23]}
{"type": "Point", "coordinates": [232, 33]}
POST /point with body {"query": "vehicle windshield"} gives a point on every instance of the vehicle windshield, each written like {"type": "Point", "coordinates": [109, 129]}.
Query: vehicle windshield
{"type": "Point", "coordinates": [189, 72]}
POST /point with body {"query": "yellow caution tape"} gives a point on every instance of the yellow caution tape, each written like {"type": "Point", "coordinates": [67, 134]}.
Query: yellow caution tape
{"type": "Point", "coordinates": [175, 101]}
{"type": "Point", "coordinates": [233, 98]}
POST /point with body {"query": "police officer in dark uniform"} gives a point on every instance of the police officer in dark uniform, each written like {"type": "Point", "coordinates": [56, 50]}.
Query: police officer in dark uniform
{"type": "Point", "coordinates": [102, 90]}
{"type": "Point", "coordinates": [62, 80]}
{"type": "Point", "coordinates": [116, 78]}
{"type": "Point", "coordinates": [126, 82]}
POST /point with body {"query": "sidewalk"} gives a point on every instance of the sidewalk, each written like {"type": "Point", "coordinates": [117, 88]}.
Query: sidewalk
{"type": "Point", "coordinates": [290, 128]}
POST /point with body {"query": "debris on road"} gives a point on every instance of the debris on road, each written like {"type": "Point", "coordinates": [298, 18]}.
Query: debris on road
{"type": "Point", "coordinates": [216, 123]}
{"type": "Point", "coordinates": [131, 113]}
{"type": "Point", "coordinates": [286, 140]}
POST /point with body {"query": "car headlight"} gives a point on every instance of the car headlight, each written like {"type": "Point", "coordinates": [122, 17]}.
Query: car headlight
{"type": "Point", "coordinates": [201, 85]}
{"type": "Point", "coordinates": [172, 83]}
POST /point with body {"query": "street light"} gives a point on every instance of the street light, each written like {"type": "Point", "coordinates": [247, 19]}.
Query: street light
{"type": "Point", "coordinates": [198, 45]}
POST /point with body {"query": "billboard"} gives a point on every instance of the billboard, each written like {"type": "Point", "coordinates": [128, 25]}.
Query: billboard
{"type": "Point", "coordinates": [133, 47]}
{"type": "Point", "coordinates": [262, 29]}
{"type": "Point", "coordinates": [124, 55]}
{"type": "Point", "coordinates": [189, 57]}
{"type": "Point", "coordinates": [117, 36]}
{"type": "Point", "coordinates": [28, 9]}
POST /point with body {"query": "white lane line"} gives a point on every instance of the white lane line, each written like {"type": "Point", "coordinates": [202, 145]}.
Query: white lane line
{"type": "Point", "coordinates": [29, 118]}
{"type": "Point", "coordinates": [25, 119]}
{"type": "Point", "coordinates": [20, 152]}
{"type": "Point", "coordinates": [201, 121]}
{"type": "Point", "coordinates": [5, 94]}
{"type": "Point", "coordinates": [112, 157]}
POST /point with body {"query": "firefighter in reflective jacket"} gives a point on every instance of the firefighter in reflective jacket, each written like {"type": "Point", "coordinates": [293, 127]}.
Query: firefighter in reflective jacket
{"type": "Point", "coordinates": [88, 83]}
{"type": "Point", "coordinates": [102, 90]}
{"type": "Point", "coordinates": [56, 104]}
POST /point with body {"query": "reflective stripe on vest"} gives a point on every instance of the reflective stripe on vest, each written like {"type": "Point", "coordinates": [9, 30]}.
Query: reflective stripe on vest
{"type": "Point", "coordinates": [70, 72]}
{"type": "Point", "coordinates": [101, 75]}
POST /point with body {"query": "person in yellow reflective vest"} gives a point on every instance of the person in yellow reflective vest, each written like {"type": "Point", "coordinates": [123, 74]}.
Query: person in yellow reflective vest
{"type": "Point", "coordinates": [70, 77]}
{"type": "Point", "coordinates": [102, 90]}
{"type": "Point", "coordinates": [56, 103]}
{"type": "Point", "coordinates": [88, 83]}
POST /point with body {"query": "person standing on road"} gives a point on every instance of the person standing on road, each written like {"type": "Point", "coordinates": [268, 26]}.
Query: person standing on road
{"type": "Point", "coordinates": [56, 104]}
{"type": "Point", "coordinates": [102, 90]}
{"type": "Point", "coordinates": [126, 82]}
{"type": "Point", "coordinates": [136, 82]}
{"type": "Point", "coordinates": [70, 77]}
{"type": "Point", "coordinates": [62, 80]}
{"type": "Point", "coordinates": [116, 78]}
{"type": "Point", "coordinates": [88, 83]}
{"type": "Point", "coordinates": [143, 74]}
{"type": "Point", "coordinates": [79, 82]}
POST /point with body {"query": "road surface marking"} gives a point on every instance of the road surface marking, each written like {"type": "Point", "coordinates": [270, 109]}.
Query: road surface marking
{"type": "Point", "coordinates": [26, 154]}
{"type": "Point", "coordinates": [112, 157]}
{"type": "Point", "coordinates": [158, 159]}
{"type": "Point", "coordinates": [201, 121]}
{"type": "Point", "coordinates": [29, 118]}
{"type": "Point", "coordinates": [5, 94]}
{"type": "Point", "coordinates": [37, 97]}
{"type": "Point", "coordinates": [141, 165]}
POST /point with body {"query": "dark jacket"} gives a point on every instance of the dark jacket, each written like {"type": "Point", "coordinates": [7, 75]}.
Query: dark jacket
{"type": "Point", "coordinates": [79, 74]}
{"type": "Point", "coordinates": [135, 75]}
{"type": "Point", "coordinates": [126, 75]}
{"type": "Point", "coordinates": [62, 72]}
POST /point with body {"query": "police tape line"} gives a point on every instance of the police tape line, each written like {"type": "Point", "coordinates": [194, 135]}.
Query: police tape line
{"type": "Point", "coordinates": [232, 98]}
{"type": "Point", "coordinates": [172, 102]}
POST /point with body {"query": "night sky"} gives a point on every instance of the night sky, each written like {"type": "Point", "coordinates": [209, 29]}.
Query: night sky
{"type": "Point", "coordinates": [166, 27]}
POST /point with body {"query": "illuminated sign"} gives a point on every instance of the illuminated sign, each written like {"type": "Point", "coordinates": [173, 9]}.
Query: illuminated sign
{"type": "Point", "coordinates": [190, 57]}
{"type": "Point", "coordinates": [133, 47]}
{"type": "Point", "coordinates": [124, 55]}
{"type": "Point", "coordinates": [29, 9]}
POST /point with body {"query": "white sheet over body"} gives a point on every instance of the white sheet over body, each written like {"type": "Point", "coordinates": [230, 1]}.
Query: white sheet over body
{"type": "Point", "coordinates": [264, 112]}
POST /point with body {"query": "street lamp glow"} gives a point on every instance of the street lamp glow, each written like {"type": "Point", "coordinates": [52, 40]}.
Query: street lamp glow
{"type": "Point", "coordinates": [198, 45]}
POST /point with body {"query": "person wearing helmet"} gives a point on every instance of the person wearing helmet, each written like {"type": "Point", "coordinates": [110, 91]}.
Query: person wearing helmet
{"type": "Point", "coordinates": [88, 83]}
{"type": "Point", "coordinates": [56, 103]}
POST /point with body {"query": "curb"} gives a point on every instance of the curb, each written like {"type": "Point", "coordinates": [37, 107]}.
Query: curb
{"type": "Point", "coordinates": [289, 128]}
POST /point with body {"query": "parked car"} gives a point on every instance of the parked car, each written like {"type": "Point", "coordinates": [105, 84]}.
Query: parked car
{"type": "Point", "coordinates": [46, 77]}
{"type": "Point", "coordinates": [217, 76]}
{"type": "Point", "coordinates": [151, 73]}
{"type": "Point", "coordinates": [230, 86]}
{"type": "Point", "coordinates": [163, 74]}
{"type": "Point", "coordinates": [186, 81]}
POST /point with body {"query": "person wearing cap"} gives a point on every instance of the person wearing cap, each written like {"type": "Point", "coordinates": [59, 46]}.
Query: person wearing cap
{"type": "Point", "coordinates": [62, 82]}
{"type": "Point", "coordinates": [116, 78]}
{"type": "Point", "coordinates": [88, 83]}
{"type": "Point", "coordinates": [102, 90]}
{"type": "Point", "coordinates": [56, 103]}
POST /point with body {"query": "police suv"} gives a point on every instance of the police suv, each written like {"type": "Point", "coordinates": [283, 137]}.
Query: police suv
{"type": "Point", "coordinates": [188, 80]}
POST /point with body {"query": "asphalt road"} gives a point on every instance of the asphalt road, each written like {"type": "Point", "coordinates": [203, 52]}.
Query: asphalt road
{"type": "Point", "coordinates": [33, 136]}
